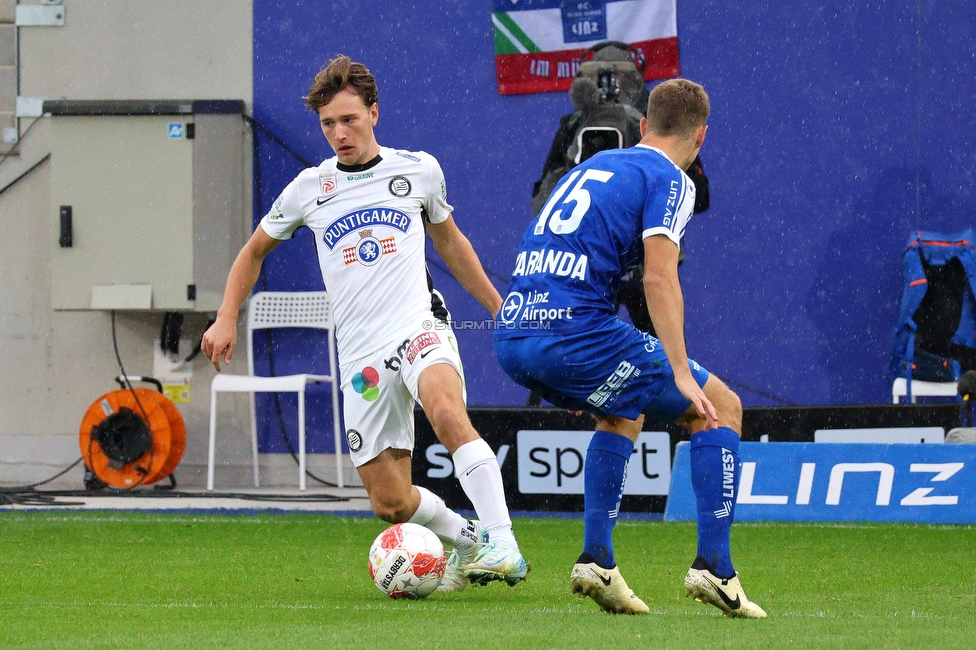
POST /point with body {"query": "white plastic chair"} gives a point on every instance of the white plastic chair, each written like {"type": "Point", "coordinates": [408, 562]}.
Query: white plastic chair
{"type": "Point", "coordinates": [280, 309]}
{"type": "Point", "coordinates": [899, 389]}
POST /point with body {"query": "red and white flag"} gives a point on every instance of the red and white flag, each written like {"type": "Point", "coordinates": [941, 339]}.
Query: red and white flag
{"type": "Point", "coordinates": [538, 43]}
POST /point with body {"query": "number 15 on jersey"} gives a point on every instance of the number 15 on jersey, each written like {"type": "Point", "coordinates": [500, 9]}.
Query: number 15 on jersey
{"type": "Point", "coordinates": [558, 224]}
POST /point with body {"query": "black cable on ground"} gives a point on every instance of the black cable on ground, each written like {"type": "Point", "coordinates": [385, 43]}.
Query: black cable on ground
{"type": "Point", "coordinates": [27, 488]}
{"type": "Point", "coordinates": [15, 496]}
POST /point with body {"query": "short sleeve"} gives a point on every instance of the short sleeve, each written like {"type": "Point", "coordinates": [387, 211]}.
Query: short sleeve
{"type": "Point", "coordinates": [669, 204]}
{"type": "Point", "coordinates": [436, 207]}
{"type": "Point", "coordinates": [285, 215]}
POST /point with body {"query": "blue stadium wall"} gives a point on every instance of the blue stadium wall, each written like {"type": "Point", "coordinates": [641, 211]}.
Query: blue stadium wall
{"type": "Point", "coordinates": [837, 129]}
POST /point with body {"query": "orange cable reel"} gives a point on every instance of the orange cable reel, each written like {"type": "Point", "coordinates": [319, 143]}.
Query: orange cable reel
{"type": "Point", "coordinates": [132, 437]}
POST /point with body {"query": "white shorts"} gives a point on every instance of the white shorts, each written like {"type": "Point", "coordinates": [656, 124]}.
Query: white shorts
{"type": "Point", "coordinates": [379, 392]}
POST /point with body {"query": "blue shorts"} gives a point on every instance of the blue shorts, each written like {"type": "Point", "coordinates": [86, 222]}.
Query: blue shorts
{"type": "Point", "coordinates": [614, 369]}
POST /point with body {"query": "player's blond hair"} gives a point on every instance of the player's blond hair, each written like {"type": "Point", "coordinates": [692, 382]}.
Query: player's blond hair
{"type": "Point", "coordinates": [341, 73]}
{"type": "Point", "coordinates": [677, 107]}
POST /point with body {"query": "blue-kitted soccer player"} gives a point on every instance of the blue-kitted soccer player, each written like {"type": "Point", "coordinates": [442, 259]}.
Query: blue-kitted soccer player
{"type": "Point", "coordinates": [557, 333]}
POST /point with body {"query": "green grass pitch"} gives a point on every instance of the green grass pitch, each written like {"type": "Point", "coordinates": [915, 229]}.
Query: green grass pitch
{"type": "Point", "coordinates": [140, 580]}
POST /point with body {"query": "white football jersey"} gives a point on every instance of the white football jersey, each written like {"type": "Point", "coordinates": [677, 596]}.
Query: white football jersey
{"type": "Point", "coordinates": [370, 238]}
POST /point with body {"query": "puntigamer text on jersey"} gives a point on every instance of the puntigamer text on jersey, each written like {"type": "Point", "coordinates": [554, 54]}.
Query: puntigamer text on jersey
{"type": "Point", "coordinates": [369, 217]}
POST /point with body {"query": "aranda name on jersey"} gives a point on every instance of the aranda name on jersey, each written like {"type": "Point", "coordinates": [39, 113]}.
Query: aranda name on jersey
{"type": "Point", "coordinates": [561, 263]}
{"type": "Point", "coordinates": [348, 223]}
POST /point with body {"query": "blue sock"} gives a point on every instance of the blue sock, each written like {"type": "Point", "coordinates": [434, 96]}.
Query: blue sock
{"type": "Point", "coordinates": [715, 479]}
{"type": "Point", "coordinates": [603, 486]}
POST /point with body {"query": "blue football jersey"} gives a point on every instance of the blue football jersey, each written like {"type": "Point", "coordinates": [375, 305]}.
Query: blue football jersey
{"type": "Point", "coordinates": [589, 233]}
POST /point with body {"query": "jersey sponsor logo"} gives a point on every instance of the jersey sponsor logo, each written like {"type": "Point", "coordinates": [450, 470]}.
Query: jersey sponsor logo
{"type": "Point", "coordinates": [396, 359]}
{"type": "Point", "coordinates": [408, 156]}
{"type": "Point", "coordinates": [421, 343]}
{"type": "Point", "coordinates": [352, 221]}
{"type": "Point", "coordinates": [608, 391]}
{"type": "Point", "coordinates": [366, 383]}
{"type": "Point", "coordinates": [512, 311]}
{"type": "Point", "coordinates": [511, 307]}
{"type": "Point", "coordinates": [359, 177]}
{"type": "Point", "coordinates": [543, 314]}
{"type": "Point", "coordinates": [327, 182]}
{"type": "Point", "coordinates": [728, 474]}
{"type": "Point", "coordinates": [650, 344]}
{"type": "Point", "coordinates": [552, 262]}
{"type": "Point", "coordinates": [672, 203]}
{"type": "Point", "coordinates": [400, 186]}
{"type": "Point", "coordinates": [275, 213]}
{"type": "Point", "coordinates": [369, 250]}
{"type": "Point", "coordinates": [323, 200]}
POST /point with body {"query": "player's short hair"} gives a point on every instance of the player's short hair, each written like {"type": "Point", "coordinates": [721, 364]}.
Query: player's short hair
{"type": "Point", "coordinates": [341, 73]}
{"type": "Point", "coordinates": [677, 107]}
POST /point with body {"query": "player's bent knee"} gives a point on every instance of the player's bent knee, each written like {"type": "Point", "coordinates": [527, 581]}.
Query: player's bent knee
{"type": "Point", "coordinates": [393, 511]}
{"type": "Point", "coordinates": [391, 504]}
{"type": "Point", "coordinates": [726, 403]}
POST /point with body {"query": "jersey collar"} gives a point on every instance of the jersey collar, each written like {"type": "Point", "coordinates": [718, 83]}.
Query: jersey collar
{"type": "Point", "coordinates": [360, 168]}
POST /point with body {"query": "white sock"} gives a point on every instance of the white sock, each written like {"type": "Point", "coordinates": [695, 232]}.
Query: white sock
{"type": "Point", "coordinates": [477, 470]}
{"type": "Point", "coordinates": [448, 525]}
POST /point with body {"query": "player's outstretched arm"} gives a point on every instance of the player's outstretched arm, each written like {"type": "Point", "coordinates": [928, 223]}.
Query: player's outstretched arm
{"type": "Point", "coordinates": [458, 253]}
{"type": "Point", "coordinates": [665, 304]}
{"type": "Point", "coordinates": [220, 339]}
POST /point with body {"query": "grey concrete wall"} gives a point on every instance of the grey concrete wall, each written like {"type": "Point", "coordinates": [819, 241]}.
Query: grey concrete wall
{"type": "Point", "coordinates": [55, 364]}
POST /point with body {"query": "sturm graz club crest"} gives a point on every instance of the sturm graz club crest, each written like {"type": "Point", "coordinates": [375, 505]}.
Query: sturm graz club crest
{"type": "Point", "coordinates": [399, 186]}
{"type": "Point", "coordinates": [354, 439]}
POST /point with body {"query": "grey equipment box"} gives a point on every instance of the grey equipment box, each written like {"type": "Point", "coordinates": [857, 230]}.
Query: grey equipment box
{"type": "Point", "coordinates": [149, 202]}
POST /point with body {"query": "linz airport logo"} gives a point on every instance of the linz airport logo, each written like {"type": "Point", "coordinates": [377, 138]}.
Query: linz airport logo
{"type": "Point", "coordinates": [400, 186]}
{"type": "Point", "coordinates": [511, 307]}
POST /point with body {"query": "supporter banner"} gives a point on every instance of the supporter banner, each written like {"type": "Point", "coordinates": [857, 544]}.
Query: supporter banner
{"type": "Point", "coordinates": [785, 481]}
{"type": "Point", "coordinates": [538, 43]}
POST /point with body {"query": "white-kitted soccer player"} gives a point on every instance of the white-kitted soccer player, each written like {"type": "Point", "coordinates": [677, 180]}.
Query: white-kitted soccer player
{"type": "Point", "coordinates": [369, 208]}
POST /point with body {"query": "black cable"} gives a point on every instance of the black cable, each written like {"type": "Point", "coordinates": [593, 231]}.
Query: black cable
{"type": "Point", "coordinates": [281, 419]}
{"type": "Point", "coordinates": [8, 496]}
{"type": "Point", "coordinates": [145, 417]}
{"type": "Point", "coordinates": [756, 390]}
{"type": "Point", "coordinates": [257, 125]}
{"type": "Point", "coordinates": [25, 488]}
{"type": "Point", "coordinates": [25, 174]}
{"type": "Point", "coordinates": [20, 139]}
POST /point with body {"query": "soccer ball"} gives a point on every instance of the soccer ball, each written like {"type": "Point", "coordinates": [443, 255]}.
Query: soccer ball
{"type": "Point", "coordinates": [407, 561]}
